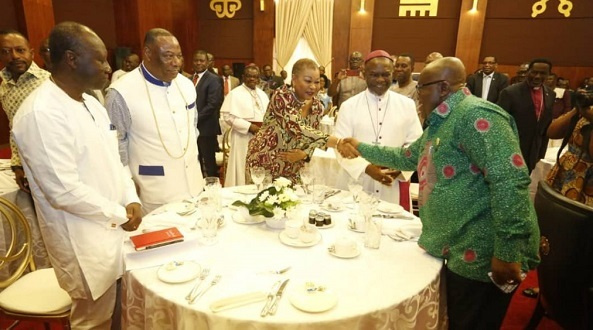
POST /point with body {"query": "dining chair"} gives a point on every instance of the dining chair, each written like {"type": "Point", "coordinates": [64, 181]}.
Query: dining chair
{"type": "Point", "coordinates": [565, 273]}
{"type": "Point", "coordinates": [28, 293]}
{"type": "Point", "coordinates": [226, 149]}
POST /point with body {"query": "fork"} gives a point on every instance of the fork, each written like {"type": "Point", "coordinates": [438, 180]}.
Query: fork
{"type": "Point", "coordinates": [201, 279]}
{"type": "Point", "coordinates": [278, 271]}
{"type": "Point", "coordinates": [201, 293]}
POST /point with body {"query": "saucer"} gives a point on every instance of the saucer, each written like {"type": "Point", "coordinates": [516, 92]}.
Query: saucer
{"type": "Point", "coordinates": [238, 218]}
{"type": "Point", "coordinates": [181, 208]}
{"type": "Point", "coordinates": [326, 226]}
{"type": "Point", "coordinates": [352, 254]}
{"type": "Point", "coordinates": [178, 271]}
{"type": "Point", "coordinates": [313, 302]}
{"type": "Point", "coordinates": [389, 208]}
{"type": "Point", "coordinates": [247, 190]}
{"type": "Point", "coordinates": [332, 207]}
{"type": "Point", "coordinates": [297, 242]}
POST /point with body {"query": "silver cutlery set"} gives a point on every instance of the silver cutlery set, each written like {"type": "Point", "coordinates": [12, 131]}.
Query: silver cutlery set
{"type": "Point", "coordinates": [273, 298]}
{"type": "Point", "coordinates": [194, 294]}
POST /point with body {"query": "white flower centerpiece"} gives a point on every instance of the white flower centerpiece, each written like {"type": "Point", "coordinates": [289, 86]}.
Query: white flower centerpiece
{"type": "Point", "coordinates": [273, 202]}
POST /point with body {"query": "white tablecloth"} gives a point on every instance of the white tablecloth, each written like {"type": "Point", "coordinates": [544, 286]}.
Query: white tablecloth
{"type": "Point", "coordinates": [395, 287]}
{"type": "Point", "coordinates": [542, 168]}
{"type": "Point", "coordinates": [10, 191]}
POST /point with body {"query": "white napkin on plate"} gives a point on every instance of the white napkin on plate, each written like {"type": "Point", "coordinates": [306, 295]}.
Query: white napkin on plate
{"type": "Point", "coordinates": [237, 301]}
{"type": "Point", "coordinates": [406, 232]}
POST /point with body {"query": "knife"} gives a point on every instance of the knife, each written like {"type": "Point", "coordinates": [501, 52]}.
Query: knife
{"type": "Point", "coordinates": [399, 216]}
{"type": "Point", "coordinates": [274, 306]}
{"type": "Point", "coordinates": [269, 300]}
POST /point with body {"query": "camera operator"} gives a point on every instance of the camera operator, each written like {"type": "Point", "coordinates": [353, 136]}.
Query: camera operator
{"type": "Point", "coordinates": [572, 176]}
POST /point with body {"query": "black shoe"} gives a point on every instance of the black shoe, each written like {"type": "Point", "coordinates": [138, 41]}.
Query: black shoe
{"type": "Point", "coordinates": [531, 292]}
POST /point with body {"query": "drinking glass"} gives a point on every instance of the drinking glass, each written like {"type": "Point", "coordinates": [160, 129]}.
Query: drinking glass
{"type": "Point", "coordinates": [355, 188]}
{"type": "Point", "coordinates": [258, 175]}
{"type": "Point", "coordinates": [212, 188]}
{"type": "Point", "coordinates": [307, 179]}
{"type": "Point", "coordinates": [209, 221]}
{"type": "Point", "coordinates": [373, 226]}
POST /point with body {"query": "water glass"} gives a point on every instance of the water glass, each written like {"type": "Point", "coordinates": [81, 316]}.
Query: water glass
{"type": "Point", "coordinates": [355, 187]}
{"type": "Point", "coordinates": [209, 223]}
{"type": "Point", "coordinates": [212, 188]}
{"type": "Point", "coordinates": [319, 193]}
{"type": "Point", "coordinates": [258, 175]}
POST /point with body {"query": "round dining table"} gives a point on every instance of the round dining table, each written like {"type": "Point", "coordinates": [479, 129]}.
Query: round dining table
{"type": "Point", "coordinates": [397, 286]}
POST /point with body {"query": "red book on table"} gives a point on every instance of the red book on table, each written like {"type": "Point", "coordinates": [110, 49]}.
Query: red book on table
{"type": "Point", "coordinates": [156, 238]}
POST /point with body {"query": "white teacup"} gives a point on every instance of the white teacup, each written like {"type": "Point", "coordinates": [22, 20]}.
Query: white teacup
{"type": "Point", "coordinates": [307, 233]}
{"type": "Point", "coordinates": [293, 228]}
{"type": "Point", "coordinates": [344, 246]}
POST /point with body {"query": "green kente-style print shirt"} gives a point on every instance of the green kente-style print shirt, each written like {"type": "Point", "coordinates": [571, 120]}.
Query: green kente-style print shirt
{"type": "Point", "coordinates": [474, 200]}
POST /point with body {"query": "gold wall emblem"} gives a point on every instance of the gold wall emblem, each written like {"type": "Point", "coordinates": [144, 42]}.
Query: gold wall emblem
{"type": "Point", "coordinates": [418, 7]}
{"type": "Point", "coordinates": [225, 8]}
{"type": "Point", "coordinates": [564, 8]}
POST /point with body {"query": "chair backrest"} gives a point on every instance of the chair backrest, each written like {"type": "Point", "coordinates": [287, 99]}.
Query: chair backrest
{"type": "Point", "coordinates": [226, 149]}
{"type": "Point", "coordinates": [18, 254]}
{"type": "Point", "coordinates": [566, 250]}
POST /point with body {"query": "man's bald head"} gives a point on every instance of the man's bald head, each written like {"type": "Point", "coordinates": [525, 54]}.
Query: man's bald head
{"type": "Point", "coordinates": [433, 57]}
{"type": "Point", "coordinates": [450, 69]}
{"type": "Point", "coordinates": [438, 80]}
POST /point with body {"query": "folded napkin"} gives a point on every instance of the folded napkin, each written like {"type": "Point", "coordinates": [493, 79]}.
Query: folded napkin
{"type": "Point", "coordinates": [407, 232]}
{"type": "Point", "coordinates": [169, 219]}
{"type": "Point", "coordinates": [237, 301]}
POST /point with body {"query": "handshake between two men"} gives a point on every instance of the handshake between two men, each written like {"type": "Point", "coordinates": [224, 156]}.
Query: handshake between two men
{"type": "Point", "coordinates": [348, 148]}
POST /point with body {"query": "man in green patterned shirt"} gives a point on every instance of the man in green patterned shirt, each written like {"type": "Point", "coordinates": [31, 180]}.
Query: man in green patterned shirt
{"type": "Point", "coordinates": [474, 202]}
{"type": "Point", "coordinates": [20, 77]}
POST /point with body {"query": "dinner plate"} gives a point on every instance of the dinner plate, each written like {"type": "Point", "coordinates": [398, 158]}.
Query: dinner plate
{"type": "Point", "coordinates": [247, 190]}
{"type": "Point", "coordinates": [238, 218]}
{"type": "Point", "coordinates": [178, 271]}
{"type": "Point", "coordinates": [390, 208]}
{"type": "Point", "coordinates": [313, 302]}
{"type": "Point", "coordinates": [353, 254]}
{"type": "Point", "coordinates": [297, 242]}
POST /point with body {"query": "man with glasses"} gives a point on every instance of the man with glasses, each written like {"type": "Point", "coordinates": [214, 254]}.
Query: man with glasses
{"type": "Point", "coordinates": [487, 83]}
{"type": "Point", "coordinates": [20, 77]}
{"type": "Point", "coordinates": [382, 117]}
{"type": "Point", "coordinates": [348, 82]}
{"type": "Point", "coordinates": [474, 199]}
{"type": "Point", "coordinates": [243, 111]}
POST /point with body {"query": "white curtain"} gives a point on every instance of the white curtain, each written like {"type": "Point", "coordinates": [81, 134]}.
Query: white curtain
{"type": "Point", "coordinates": [318, 32]}
{"type": "Point", "coordinates": [291, 18]}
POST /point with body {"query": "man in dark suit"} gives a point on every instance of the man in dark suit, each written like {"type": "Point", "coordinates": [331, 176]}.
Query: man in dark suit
{"type": "Point", "coordinates": [209, 100]}
{"type": "Point", "coordinates": [530, 103]}
{"type": "Point", "coordinates": [487, 83]}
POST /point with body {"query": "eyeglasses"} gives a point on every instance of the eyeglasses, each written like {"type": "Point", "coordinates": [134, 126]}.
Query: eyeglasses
{"type": "Point", "coordinates": [420, 86]}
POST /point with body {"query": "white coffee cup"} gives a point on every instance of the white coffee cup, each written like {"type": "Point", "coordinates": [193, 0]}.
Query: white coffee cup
{"type": "Point", "coordinates": [344, 246]}
{"type": "Point", "coordinates": [293, 228]}
{"type": "Point", "coordinates": [307, 233]}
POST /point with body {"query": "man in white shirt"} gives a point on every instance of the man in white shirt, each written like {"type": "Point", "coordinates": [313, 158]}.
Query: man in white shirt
{"type": "Point", "coordinates": [487, 83]}
{"type": "Point", "coordinates": [84, 198]}
{"type": "Point", "coordinates": [403, 82]}
{"type": "Point", "coordinates": [382, 117]}
{"type": "Point", "coordinates": [154, 111]}
{"type": "Point", "coordinates": [130, 62]}
{"type": "Point", "coordinates": [243, 111]}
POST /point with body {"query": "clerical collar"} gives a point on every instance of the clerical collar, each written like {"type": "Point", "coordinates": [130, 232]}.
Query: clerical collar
{"type": "Point", "coordinates": [152, 79]}
{"type": "Point", "coordinates": [377, 97]}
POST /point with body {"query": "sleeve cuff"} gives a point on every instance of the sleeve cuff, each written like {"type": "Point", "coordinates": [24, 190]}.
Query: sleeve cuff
{"type": "Point", "coordinates": [120, 217]}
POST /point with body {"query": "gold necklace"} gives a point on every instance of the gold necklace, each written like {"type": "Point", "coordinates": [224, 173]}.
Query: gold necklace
{"type": "Point", "coordinates": [157, 124]}
{"type": "Point", "coordinates": [254, 96]}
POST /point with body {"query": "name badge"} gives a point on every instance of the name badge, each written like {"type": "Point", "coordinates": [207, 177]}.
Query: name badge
{"type": "Point", "coordinates": [151, 170]}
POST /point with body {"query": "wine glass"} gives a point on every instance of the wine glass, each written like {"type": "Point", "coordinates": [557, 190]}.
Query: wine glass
{"type": "Point", "coordinates": [257, 176]}
{"type": "Point", "coordinates": [355, 187]}
{"type": "Point", "coordinates": [306, 178]}
{"type": "Point", "coordinates": [213, 188]}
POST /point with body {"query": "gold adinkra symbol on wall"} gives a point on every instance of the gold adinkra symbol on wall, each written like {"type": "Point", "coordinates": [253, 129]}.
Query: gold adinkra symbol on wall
{"type": "Point", "coordinates": [564, 8]}
{"type": "Point", "coordinates": [225, 8]}
{"type": "Point", "coordinates": [418, 7]}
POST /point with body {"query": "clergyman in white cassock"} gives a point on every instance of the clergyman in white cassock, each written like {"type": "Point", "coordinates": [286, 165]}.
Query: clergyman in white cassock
{"type": "Point", "coordinates": [242, 107]}
{"type": "Point", "coordinates": [387, 120]}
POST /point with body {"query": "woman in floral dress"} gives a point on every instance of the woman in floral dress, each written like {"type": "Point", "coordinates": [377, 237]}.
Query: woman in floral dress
{"type": "Point", "coordinates": [289, 133]}
{"type": "Point", "coordinates": [572, 176]}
